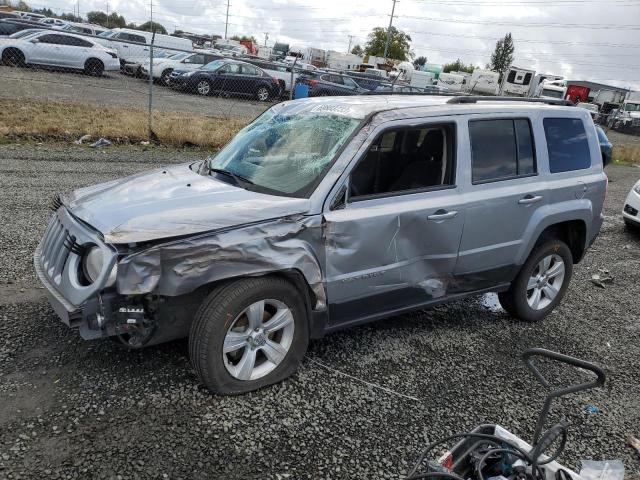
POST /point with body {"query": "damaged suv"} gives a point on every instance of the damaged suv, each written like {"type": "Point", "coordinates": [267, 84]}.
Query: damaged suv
{"type": "Point", "coordinates": [327, 213]}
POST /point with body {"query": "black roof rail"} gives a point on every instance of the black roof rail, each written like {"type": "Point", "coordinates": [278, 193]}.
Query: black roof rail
{"type": "Point", "coordinates": [480, 98]}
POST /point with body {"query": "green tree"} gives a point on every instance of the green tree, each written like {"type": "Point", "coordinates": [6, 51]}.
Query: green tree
{"type": "Point", "coordinates": [502, 56]}
{"type": "Point", "coordinates": [357, 50]}
{"type": "Point", "coordinates": [399, 44]}
{"type": "Point", "coordinates": [419, 62]}
{"type": "Point", "coordinates": [113, 20]}
{"type": "Point", "coordinates": [150, 26]}
{"type": "Point", "coordinates": [23, 7]}
{"type": "Point", "coordinates": [457, 66]}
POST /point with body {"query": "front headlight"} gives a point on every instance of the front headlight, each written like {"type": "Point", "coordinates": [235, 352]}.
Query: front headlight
{"type": "Point", "coordinates": [188, 74]}
{"type": "Point", "coordinates": [636, 188]}
{"type": "Point", "coordinates": [92, 264]}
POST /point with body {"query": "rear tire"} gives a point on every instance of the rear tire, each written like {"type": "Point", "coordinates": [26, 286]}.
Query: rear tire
{"type": "Point", "coordinates": [232, 325]}
{"type": "Point", "coordinates": [13, 57]}
{"type": "Point", "coordinates": [541, 283]}
{"type": "Point", "coordinates": [94, 67]}
{"type": "Point", "coordinates": [164, 76]}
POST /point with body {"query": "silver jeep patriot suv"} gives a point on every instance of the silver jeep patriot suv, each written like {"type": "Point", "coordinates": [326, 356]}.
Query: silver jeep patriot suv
{"type": "Point", "coordinates": [325, 213]}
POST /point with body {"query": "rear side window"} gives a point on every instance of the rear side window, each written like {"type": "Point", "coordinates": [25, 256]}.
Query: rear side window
{"type": "Point", "coordinates": [501, 149]}
{"type": "Point", "coordinates": [567, 144]}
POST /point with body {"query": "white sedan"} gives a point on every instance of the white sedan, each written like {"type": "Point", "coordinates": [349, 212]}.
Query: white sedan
{"type": "Point", "coordinates": [632, 207]}
{"type": "Point", "coordinates": [57, 49]}
{"type": "Point", "coordinates": [163, 67]}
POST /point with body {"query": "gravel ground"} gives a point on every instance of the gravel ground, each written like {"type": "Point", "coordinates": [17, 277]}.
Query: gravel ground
{"type": "Point", "coordinates": [116, 90]}
{"type": "Point", "coordinates": [76, 409]}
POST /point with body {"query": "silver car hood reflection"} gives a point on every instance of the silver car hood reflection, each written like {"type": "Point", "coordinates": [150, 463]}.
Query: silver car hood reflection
{"type": "Point", "coordinates": [171, 202]}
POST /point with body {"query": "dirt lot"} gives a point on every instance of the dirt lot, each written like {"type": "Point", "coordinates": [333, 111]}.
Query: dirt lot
{"type": "Point", "coordinates": [113, 90]}
{"type": "Point", "coordinates": [76, 409]}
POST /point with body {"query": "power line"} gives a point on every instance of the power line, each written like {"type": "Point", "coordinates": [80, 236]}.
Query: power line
{"type": "Point", "coordinates": [527, 24]}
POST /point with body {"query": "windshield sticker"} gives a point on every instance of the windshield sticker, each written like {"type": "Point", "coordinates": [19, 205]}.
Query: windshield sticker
{"type": "Point", "coordinates": [334, 109]}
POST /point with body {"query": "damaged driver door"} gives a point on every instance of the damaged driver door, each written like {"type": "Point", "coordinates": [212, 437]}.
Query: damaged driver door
{"type": "Point", "coordinates": [392, 243]}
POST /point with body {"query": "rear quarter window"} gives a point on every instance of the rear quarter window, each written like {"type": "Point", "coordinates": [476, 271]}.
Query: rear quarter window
{"type": "Point", "coordinates": [567, 144]}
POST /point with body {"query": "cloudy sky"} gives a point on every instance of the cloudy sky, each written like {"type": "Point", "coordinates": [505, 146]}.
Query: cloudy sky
{"type": "Point", "coordinates": [580, 39]}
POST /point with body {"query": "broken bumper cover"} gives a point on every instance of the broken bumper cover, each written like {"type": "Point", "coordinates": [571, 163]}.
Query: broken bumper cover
{"type": "Point", "coordinates": [58, 259]}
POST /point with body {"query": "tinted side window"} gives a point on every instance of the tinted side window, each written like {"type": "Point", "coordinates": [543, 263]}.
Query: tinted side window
{"type": "Point", "coordinates": [199, 59]}
{"type": "Point", "coordinates": [75, 42]}
{"type": "Point", "coordinates": [406, 160]}
{"type": "Point", "coordinates": [567, 144]}
{"type": "Point", "coordinates": [52, 39]}
{"type": "Point", "coordinates": [501, 149]}
{"type": "Point", "coordinates": [250, 70]}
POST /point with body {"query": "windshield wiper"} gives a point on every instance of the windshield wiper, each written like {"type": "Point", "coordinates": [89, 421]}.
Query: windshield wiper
{"type": "Point", "coordinates": [238, 178]}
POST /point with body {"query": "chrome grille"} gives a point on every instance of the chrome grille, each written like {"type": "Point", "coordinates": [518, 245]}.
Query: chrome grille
{"type": "Point", "coordinates": [54, 249]}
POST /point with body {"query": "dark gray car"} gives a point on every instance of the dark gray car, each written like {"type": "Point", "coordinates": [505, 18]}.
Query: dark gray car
{"type": "Point", "coordinates": [326, 213]}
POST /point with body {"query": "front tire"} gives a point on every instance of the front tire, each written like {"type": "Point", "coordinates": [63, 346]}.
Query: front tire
{"type": "Point", "coordinates": [248, 334]}
{"type": "Point", "coordinates": [94, 67]}
{"type": "Point", "coordinates": [263, 94]}
{"type": "Point", "coordinates": [541, 283]}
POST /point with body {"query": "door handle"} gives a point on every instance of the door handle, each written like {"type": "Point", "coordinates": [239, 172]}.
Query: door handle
{"type": "Point", "coordinates": [442, 215]}
{"type": "Point", "coordinates": [529, 199]}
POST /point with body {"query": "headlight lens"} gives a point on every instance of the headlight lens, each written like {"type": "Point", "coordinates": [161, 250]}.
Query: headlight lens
{"type": "Point", "coordinates": [92, 264]}
{"type": "Point", "coordinates": [188, 74]}
{"type": "Point", "coordinates": [636, 188]}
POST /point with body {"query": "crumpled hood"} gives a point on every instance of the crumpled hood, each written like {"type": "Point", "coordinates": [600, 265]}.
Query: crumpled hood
{"type": "Point", "coordinates": [171, 202]}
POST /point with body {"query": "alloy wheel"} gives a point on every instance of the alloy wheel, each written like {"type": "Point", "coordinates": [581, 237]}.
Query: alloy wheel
{"type": "Point", "coordinates": [263, 94]}
{"type": "Point", "coordinates": [545, 282]}
{"type": "Point", "coordinates": [258, 340]}
{"type": "Point", "coordinates": [203, 87]}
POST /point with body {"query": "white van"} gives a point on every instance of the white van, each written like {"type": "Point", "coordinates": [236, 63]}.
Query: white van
{"type": "Point", "coordinates": [136, 43]}
{"type": "Point", "coordinates": [82, 28]}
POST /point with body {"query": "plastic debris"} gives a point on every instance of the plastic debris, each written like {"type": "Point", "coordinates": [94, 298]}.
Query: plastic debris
{"type": "Point", "coordinates": [103, 142]}
{"type": "Point", "coordinates": [591, 409]}
{"type": "Point", "coordinates": [82, 139]}
{"type": "Point", "coordinates": [602, 278]}
{"type": "Point", "coordinates": [144, 143]}
{"type": "Point", "coordinates": [605, 470]}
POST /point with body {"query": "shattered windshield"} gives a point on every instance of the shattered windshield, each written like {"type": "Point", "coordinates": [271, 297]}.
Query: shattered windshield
{"type": "Point", "coordinates": [285, 154]}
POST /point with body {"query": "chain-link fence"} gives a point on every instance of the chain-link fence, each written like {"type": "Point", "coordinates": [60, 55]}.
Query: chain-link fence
{"type": "Point", "coordinates": [133, 85]}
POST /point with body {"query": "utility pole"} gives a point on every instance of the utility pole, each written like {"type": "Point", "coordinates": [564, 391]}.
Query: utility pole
{"type": "Point", "coordinates": [226, 24]}
{"type": "Point", "coordinates": [386, 45]}
{"type": "Point", "coordinates": [351, 37]}
{"type": "Point", "coordinates": [266, 36]}
{"type": "Point", "coordinates": [108, 13]}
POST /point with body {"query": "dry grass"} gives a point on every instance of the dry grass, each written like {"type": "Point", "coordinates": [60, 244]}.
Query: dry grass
{"type": "Point", "coordinates": [626, 154]}
{"type": "Point", "coordinates": [64, 121]}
